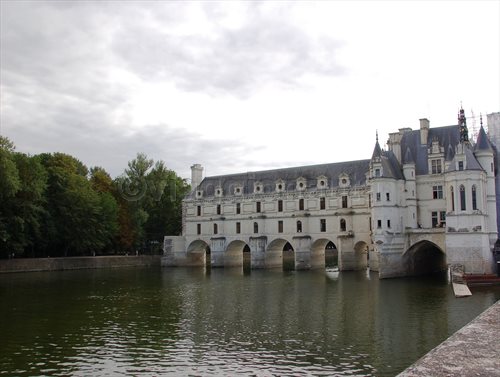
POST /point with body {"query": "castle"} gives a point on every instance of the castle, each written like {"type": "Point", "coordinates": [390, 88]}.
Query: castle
{"type": "Point", "coordinates": [427, 201]}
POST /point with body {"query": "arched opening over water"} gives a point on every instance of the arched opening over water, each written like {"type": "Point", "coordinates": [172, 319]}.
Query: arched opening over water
{"type": "Point", "coordinates": [233, 256]}
{"type": "Point", "coordinates": [424, 258]}
{"type": "Point", "coordinates": [247, 258]}
{"type": "Point", "coordinates": [279, 251]}
{"type": "Point", "coordinates": [324, 253]}
{"type": "Point", "coordinates": [361, 255]}
{"type": "Point", "coordinates": [199, 253]}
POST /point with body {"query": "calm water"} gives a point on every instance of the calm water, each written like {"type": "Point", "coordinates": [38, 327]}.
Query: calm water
{"type": "Point", "coordinates": [151, 321]}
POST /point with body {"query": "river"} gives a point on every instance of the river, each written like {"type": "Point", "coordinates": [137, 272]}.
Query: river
{"type": "Point", "coordinates": [224, 322]}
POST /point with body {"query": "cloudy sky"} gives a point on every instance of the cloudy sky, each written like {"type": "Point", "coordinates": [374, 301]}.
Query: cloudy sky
{"type": "Point", "coordinates": [239, 86]}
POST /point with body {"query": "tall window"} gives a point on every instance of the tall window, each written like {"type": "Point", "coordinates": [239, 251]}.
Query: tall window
{"type": "Point", "coordinates": [218, 209]}
{"type": "Point", "coordinates": [378, 196]}
{"type": "Point", "coordinates": [198, 228]}
{"type": "Point", "coordinates": [452, 196]}
{"type": "Point", "coordinates": [389, 224]}
{"type": "Point", "coordinates": [434, 218]}
{"type": "Point", "coordinates": [198, 210]}
{"type": "Point", "coordinates": [299, 226]}
{"type": "Point", "coordinates": [460, 165]}
{"type": "Point", "coordinates": [462, 198]}
{"type": "Point", "coordinates": [344, 201]}
{"type": "Point", "coordinates": [474, 198]}
{"type": "Point", "coordinates": [238, 208]}
{"type": "Point", "coordinates": [280, 205]}
{"type": "Point", "coordinates": [216, 229]}
{"type": "Point", "coordinates": [387, 196]}
{"type": "Point", "coordinates": [238, 227]}
{"type": "Point", "coordinates": [301, 204]}
{"type": "Point", "coordinates": [280, 226]}
{"type": "Point", "coordinates": [436, 166]}
{"type": "Point", "coordinates": [322, 225]}
{"type": "Point", "coordinates": [437, 192]}
{"type": "Point", "coordinates": [322, 203]}
{"type": "Point", "coordinates": [342, 225]}
{"type": "Point", "coordinates": [379, 224]}
{"type": "Point", "coordinates": [255, 228]}
{"type": "Point", "coordinates": [257, 207]}
{"type": "Point", "coordinates": [442, 217]}
{"type": "Point", "coordinates": [377, 172]}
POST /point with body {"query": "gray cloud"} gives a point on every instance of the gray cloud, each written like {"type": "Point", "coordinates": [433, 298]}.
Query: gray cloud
{"type": "Point", "coordinates": [58, 93]}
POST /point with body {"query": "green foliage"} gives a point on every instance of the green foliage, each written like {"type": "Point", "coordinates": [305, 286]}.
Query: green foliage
{"type": "Point", "coordinates": [53, 205]}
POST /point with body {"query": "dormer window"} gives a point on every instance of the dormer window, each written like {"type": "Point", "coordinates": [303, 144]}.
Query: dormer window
{"type": "Point", "coordinates": [199, 194]}
{"type": "Point", "coordinates": [238, 190]}
{"type": "Point", "coordinates": [344, 180]}
{"type": "Point", "coordinates": [322, 182]}
{"type": "Point", "coordinates": [436, 167]}
{"type": "Point", "coordinates": [301, 184]}
{"type": "Point", "coordinates": [258, 188]}
{"type": "Point", "coordinates": [460, 165]}
{"type": "Point", "coordinates": [280, 186]}
{"type": "Point", "coordinates": [377, 172]}
{"type": "Point", "coordinates": [218, 191]}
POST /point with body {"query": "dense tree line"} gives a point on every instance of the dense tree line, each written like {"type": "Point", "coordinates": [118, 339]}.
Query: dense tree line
{"type": "Point", "coordinates": [51, 204]}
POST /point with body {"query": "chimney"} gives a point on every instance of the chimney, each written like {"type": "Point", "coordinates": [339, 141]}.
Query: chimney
{"type": "Point", "coordinates": [424, 130]}
{"type": "Point", "coordinates": [196, 175]}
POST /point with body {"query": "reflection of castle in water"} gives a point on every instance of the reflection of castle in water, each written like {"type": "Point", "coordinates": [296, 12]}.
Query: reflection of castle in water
{"type": "Point", "coordinates": [427, 201]}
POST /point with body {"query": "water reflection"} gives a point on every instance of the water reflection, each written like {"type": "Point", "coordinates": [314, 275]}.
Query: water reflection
{"type": "Point", "coordinates": [223, 322]}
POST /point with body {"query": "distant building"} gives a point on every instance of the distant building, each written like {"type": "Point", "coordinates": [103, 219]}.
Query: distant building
{"type": "Point", "coordinates": [428, 201]}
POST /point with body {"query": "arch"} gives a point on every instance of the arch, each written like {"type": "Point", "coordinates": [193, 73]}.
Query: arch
{"type": "Point", "coordinates": [424, 258]}
{"type": "Point", "coordinates": [197, 253]}
{"type": "Point", "coordinates": [274, 252]}
{"type": "Point", "coordinates": [361, 255]}
{"type": "Point", "coordinates": [319, 253]}
{"type": "Point", "coordinates": [233, 256]}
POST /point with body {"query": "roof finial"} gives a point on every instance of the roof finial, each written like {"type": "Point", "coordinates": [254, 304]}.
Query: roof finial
{"type": "Point", "coordinates": [376, 135]}
{"type": "Point", "coordinates": [481, 119]}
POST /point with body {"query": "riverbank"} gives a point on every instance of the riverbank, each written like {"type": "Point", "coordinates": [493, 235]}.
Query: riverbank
{"type": "Point", "coordinates": [471, 351]}
{"type": "Point", "coordinates": [76, 263]}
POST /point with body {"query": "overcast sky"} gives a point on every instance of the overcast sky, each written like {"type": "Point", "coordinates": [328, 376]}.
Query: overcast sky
{"type": "Point", "coordinates": [239, 86]}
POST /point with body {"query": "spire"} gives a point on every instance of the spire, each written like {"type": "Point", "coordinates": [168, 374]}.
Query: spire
{"type": "Point", "coordinates": [377, 152]}
{"type": "Point", "coordinates": [462, 126]}
{"type": "Point", "coordinates": [483, 143]}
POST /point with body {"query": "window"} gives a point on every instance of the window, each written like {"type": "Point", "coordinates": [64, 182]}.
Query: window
{"type": "Point", "coordinates": [378, 196]}
{"type": "Point", "coordinates": [379, 224]}
{"type": "Point", "coordinates": [342, 225]}
{"type": "Point", "coordinates": [462, 198]}
{"type": "Point", "coordinates": [280, 226]}
{"type": "Point", "coordinates": [198, 228]}
{"type": "Point", "coordinates": [216, 229]}
{"type": "Point", "coordinates": [238, 208]}
{"type": "Point", "coordinates": [389, 224]}
{"type": "Point", "coordinates": [322, 203]}
{"type": "Point", "coordinates": [492, 168]}
{"type": "Point", "coordinates": [344, 201]}
{"type": "Point", "coordinates": [218, 209]}
{"type": "Point", "coordinates": [255, 228]}
{"type": "Point", "coordinates": [452, 195]}
{"type": "Point", "coordinates": [474, 198]}
{"type": "Point", "coordinates": [198, 210]}
{"type": "Point", "coordinates": [436, 166]}
{"type": "Point", "coordinates": [460, 165]}
{"type": "Point", "coordinates": [238, 227]}
{"type": "Point", "coordinates": [442, 217]}
{"type": "Point", "coordinates": [280, 205]}
{"type": "Point", "coordinates": [370, 223]}
{"type": "Point", "coordinates": [434, 217]}
{"type": "Point", "coordinates": [437, 192]}
{"type": "Point", "coordinates": [301, 204]}
{"type": "Point", "coordinates": [322, 225]}
{"type": "Point", "coordinates": [299, 226]}
{"type": "Point", "coordinates": [387, 196]}
{"type": "Point", "coordinates": [257, 207]}
{"type": "Point", "coordinates": [377, 172]}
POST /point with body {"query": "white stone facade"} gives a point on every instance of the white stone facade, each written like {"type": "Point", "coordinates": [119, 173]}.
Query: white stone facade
{"type": "Point", "coordinates": [428, 201]}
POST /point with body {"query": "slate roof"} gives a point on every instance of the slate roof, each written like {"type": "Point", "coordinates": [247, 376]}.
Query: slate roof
{"type": "Point", "coordinates": [471, 162]}
{"type": "Point", "coordinates": [483, 143]}
{"type": "Point", "coordinates": [448, 137]}
{"type": "Point", "coordinates": [356, 170]}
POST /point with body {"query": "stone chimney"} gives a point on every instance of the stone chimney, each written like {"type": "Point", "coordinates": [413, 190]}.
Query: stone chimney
{"type": "Point", "coordinates": [196, 175]}
{"type": "Point", "coordinates": [424, 130]}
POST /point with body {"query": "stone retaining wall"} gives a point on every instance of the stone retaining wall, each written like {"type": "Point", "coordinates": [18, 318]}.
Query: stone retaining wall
{"type": "Point", "coordinates": [76, 263]}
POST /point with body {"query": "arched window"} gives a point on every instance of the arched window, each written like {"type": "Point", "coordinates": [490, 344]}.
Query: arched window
{"type": "Point", "coordinates": [342, 225]}
{"type": "Point", "coordinates": [299, 226]}
{"type": "Point", "coordinates": [462, 198]}
{"type": "Point", "coordinates": [301, 204]}
{"type": "Point", "coordinates": [216, 229]}
{"type": "Point", "coordinates": [474, 198]}
{"type": "Point", "coordinates": [255, 228]}
{"type": "Point", "coordinates": [452, 196]}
